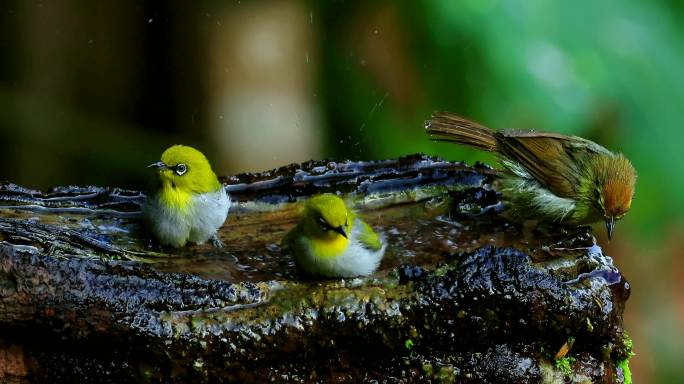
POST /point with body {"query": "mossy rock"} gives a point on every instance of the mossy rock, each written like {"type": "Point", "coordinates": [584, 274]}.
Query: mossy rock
{"type": "Point", "coordinates": [462, 295]}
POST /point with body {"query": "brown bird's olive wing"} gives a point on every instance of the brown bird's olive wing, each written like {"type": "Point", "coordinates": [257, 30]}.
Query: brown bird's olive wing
{"type": "Point", "coordinates": [555, 160]}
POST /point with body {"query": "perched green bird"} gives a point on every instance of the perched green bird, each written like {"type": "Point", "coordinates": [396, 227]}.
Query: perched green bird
{"type": "Point", "coordinates": [550, 176]}
{"type": "Point", "coordinates": [188, 203]}
{"type": "Point", "coordinates": [330, 240]}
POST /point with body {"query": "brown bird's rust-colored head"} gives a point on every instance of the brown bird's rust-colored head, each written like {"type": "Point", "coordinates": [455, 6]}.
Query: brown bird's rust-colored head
{"type": "Point", "coordinates": [615, 183]}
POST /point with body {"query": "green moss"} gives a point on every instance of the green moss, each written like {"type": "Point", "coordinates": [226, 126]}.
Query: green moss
{"type": "Point", "coordinates": [445, 375]}
{"type": "Point", "coordinates": [444, 269]}
{"type": "Point", "coordinates": [626, 372]}
{"type": "Point", "coordinates": [628, 343]}
{"type": "Point", "coordinates": [297, 297]}
{"type": "Point", "coordinates": [408, 344]}
{"type": "Point", "coordinates": [565, 365]}
{"type": "Point", "coordinates": [624, 363]}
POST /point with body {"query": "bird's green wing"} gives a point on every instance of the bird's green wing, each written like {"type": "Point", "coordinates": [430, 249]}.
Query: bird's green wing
{"type": "Point", "coordinates": [367, 236]}
{"type": "Point", "coordinates": [290, 237]}
{"type": "Point", "coordinates": [555, 160]}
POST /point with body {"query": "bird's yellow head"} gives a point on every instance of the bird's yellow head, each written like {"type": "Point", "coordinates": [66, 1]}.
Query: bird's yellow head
{"type": "Point", "coordinates": [327, 218]}
{"type": "Point", "coordinates": [615, 187]}
{"type": "Point", "coordinates": [182, 172]}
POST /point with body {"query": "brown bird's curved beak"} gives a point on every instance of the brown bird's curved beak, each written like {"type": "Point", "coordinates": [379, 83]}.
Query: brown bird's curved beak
{"type": "Point", "coordinates": [341, 231]}
{"type": "Point", "coordinates": [157, 165]}
{"type": "Point", "coordinates": [610, 225]}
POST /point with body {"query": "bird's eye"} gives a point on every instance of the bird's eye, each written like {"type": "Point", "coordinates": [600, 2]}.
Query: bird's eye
{"type": "Point", "coordinates": [181, 169]}
{"type": "Point", "coordinates": [323, 223]}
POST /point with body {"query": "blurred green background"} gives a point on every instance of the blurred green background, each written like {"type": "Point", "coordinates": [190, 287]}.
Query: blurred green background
{"type": "Point", "coordinates": [91, 92]}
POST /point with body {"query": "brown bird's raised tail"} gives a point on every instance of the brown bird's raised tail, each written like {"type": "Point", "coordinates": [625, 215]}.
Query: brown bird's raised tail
{"type": "Point", "coordinates": [445, 126]}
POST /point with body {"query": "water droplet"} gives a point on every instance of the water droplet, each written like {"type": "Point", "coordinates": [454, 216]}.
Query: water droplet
{"type": "Point", "coordinates": [150, 20]}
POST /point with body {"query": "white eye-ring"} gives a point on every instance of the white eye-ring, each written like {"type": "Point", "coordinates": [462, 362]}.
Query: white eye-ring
{"type": "Point", "coordinates": [181, 169]}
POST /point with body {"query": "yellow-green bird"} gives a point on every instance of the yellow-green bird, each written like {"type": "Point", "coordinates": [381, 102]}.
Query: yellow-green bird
{"type": "Point", "coordinates": [188, 203]}
{"type": "Point", "coordinates": [330, 240]}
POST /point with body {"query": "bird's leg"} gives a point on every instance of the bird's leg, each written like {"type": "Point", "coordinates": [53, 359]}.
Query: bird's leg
{"type": "Point", "coordinates": [216, 242]}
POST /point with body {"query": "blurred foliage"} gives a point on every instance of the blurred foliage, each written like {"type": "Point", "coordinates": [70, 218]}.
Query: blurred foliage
{"type": "Point", "coordinates": [607, 71]}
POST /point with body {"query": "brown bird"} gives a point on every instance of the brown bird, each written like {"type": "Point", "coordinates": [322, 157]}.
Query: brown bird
{"type": "Point", "coordinates": [549, 176]}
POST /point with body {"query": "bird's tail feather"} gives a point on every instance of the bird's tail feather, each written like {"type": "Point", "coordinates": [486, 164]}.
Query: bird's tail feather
{"type": "Point", "coordinates": [445, 126]}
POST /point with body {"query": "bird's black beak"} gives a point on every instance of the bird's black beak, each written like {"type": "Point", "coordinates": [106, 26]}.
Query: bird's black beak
{"type": "Point", "coordinates": [610, 225]}
{"type": "Point", "coordinates": [341, 231]}
{"type": "Point", "coordinates": [157, 165]}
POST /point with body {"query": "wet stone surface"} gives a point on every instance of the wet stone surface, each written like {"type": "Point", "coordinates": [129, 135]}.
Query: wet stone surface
{"type": "Point", "coordinates": [462, 294]}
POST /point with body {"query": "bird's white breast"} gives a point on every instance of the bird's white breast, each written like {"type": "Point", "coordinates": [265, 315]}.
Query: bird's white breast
{"type": "Point", "coordinates": [543, 200]}
{"type": "Point", "coordinates": [204, 216]}
{"type": "Point", "coordinates": [210, 211]}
